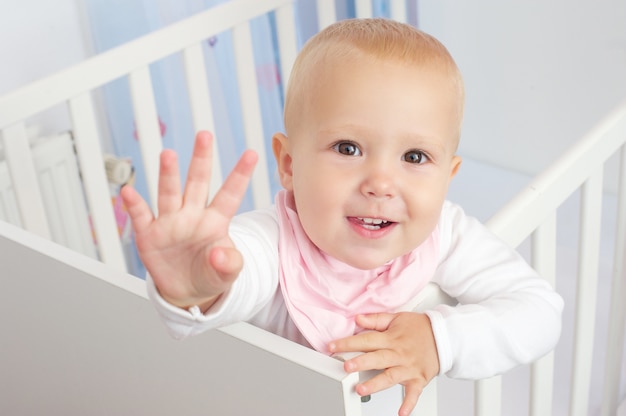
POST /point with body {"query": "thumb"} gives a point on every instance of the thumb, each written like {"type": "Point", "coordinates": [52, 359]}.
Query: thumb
{"type": "Point", "coordinates": [227, 263]}
{"type": "Point", "coordinates": [375, 321]}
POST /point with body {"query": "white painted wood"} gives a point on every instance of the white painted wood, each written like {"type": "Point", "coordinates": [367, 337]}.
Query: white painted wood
{"type": "Point", "coordinates": [8, 204]}
{"type": "Point", "coordinates": [326, 13]}
{"type": "Point", "coordinates": [398, 10]}
{"type": "Point", "coordinates": [363, 8]}
{"type": "Point", "coordinates": [113, 356]}
{"type": "Point", "coordinates": [61, 187]}
{"type": "Point", "coordinates": [427, 403]}
{"type": "Point", "coordinates": [105, 67]}
{"type": "Point", "coordinates": [488, 397]}
{"type": "Point", "coordinates": [24, 177]}
{"type": "Point", "coordinates": [543, 259]}
{"type": "Point", "coordinates": [96, 188]}
{"type": "Point", "coordinates": [251, 112]}
{"type": "Point", "coordinates": [617, 317]}
{"type": "Point", "coordinates": [201, 108]}
{"type": "Point", "coordinates": [148, 128]}
{"type": "Point", "coordinates": [586, 290]}
{"type": "Point", "coordinates": [287, 41]}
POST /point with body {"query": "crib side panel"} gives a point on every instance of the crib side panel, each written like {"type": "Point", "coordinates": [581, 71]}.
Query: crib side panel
{"type": "Point", "coordinates": [80, 338]}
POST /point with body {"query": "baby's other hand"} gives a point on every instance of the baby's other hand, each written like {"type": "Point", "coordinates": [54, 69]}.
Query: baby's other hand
{"type": "Point", "coordinates": [402, 345]}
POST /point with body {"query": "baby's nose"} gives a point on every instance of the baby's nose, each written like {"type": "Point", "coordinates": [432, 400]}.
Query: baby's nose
{"type": "Point", "coordinates": [379, 182]}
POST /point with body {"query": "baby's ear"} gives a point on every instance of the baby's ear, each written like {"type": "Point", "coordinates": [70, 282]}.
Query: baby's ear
{"type": "Point", "coordinates": [281, 148]}
{"type": "Point", "coordinates": [455, 165]}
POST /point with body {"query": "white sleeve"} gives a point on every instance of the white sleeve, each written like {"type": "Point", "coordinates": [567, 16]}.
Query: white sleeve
{"type": "Point", "coordinates": [507, 315]}
{"type": "Point", "coordinates": [255, 234]}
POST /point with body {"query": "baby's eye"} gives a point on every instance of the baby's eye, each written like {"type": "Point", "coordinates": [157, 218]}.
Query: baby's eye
{"type": "Point", "coordinates": [415, 156]}
{"type": "Point", "coordinates": [347, 148]}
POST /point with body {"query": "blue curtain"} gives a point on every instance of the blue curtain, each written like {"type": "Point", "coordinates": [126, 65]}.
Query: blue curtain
{"type": "Point", "coordinates": [114, 22]}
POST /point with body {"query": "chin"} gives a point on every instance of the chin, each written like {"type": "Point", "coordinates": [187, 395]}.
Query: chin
{"type": "Point", "coordinates": [363, 264]}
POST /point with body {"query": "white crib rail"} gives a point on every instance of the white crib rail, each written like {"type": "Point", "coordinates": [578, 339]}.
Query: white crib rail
{"type": "Point", "coordinates": [533, 213]}
{"type": "Point", "coordinates": [617, 312]}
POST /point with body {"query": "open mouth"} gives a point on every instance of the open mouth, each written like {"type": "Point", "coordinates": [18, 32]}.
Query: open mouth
{"type": "Point", "coordinates": [373, 223]}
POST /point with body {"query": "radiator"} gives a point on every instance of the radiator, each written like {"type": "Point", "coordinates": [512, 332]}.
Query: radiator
{"type": "Point", "coordinates": [61, 190]}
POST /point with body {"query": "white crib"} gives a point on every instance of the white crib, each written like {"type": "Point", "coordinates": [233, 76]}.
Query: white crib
{"type": "Point", "coordinates": [80, 338]}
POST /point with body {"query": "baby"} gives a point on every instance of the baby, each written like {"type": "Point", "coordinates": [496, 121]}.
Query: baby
{"type": "Point", "coordinates": [373, 113]}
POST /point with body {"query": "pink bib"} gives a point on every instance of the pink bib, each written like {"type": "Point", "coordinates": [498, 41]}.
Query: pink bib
{"type": "Point", "coordinates": [323, 295]}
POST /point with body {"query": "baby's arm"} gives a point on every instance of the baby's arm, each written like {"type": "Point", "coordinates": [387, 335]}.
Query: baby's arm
{"type": "Point", "coordinates": [507, 316]}
{"type": "Point", "coordinates": [186, 248]}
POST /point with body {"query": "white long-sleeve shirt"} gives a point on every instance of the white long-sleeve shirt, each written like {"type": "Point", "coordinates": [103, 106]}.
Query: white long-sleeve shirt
{"type": "Point", "coordinates": [507, 315]}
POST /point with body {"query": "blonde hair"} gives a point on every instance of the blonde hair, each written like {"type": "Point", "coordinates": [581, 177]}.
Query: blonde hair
{"type": "Point", "coordinates": [376, 38]}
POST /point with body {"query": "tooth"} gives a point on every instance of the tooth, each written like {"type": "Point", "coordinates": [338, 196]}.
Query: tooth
{"type": "Point", "coordinates": [371, 220]}
{"type": "Point", "coordinates": [371, 227]}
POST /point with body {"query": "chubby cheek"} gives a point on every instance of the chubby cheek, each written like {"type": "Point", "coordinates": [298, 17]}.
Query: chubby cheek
{"type": "Point", "coordinates": [318, 204]}
{"type": "Point", "coordinates": [425, 210]}
{"type": "Point", "coordinates": [315, 218]}
{"type": "Point", "coordinates": [310, 181]}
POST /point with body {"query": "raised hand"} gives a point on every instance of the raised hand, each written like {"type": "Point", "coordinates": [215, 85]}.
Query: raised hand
{"type": "Point", "coordinates": [402, 345]}
{"type": "Point", "coordinates": [186, 248]}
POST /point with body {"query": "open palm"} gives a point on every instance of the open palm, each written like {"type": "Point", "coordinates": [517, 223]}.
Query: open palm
{"type": "Point", "coordinates": [186, 248]}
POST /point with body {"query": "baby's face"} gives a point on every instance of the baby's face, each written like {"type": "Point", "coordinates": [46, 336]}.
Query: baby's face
{"type": "Point", "coordinates": [371, 158]}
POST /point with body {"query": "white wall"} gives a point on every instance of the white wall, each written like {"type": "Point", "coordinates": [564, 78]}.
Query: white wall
{"type": "Point", "coordinates": [38, 38]}
{"type": "Point", "coordinates": [538, 73]}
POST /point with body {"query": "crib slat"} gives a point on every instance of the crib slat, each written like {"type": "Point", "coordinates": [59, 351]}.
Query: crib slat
{"type": "Point", "coordinates": [543, 258]}
{"type": "Point", "coordinates": [617, 317]}
{"type": "Point", "coordinates": [201, 109]}
{"type": "Point", "coordinates": [364, 8]}
{"type": "Point", "coordinates": [588, 255]}
{"type": "Point", "coordinates": [147, 125]}
{"type": "Point", "coordinates": [287, 46]}
{"type": "Point", "coordinates": [398, 10]}
{"type": "Point", "coordinates": [427, 403]}
{"type": "Point", "coordinates": [488, 397]}
{"type": "Point", "coordinates": [251, 111]}
{"type": "Point", "coordinates": [94, 178]}
{"type": "Point", "coordinates": [326, 13]}
{"type": "Point", "coordinates": [24, 178]}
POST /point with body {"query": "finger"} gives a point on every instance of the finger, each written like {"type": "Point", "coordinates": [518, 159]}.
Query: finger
{"type": "Point", "coordinates": [364, 342]}
{"type": "Point", "coordinates": [375, 321]}
{"type": "Point", "coordinates": [199, 173]}
{"type": "Point", "coordinates": [230, 195]}
{"type": "Point", "coordinates": [384, 380]}
{"type": "Point", "coordinates": [138, 210]}
{"type": "Point", "coordinates": [375, 360]}
{"type": "Point", "coordinates": [412, 392]}
{"type": "Point", "coordinates": [169, 199]}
